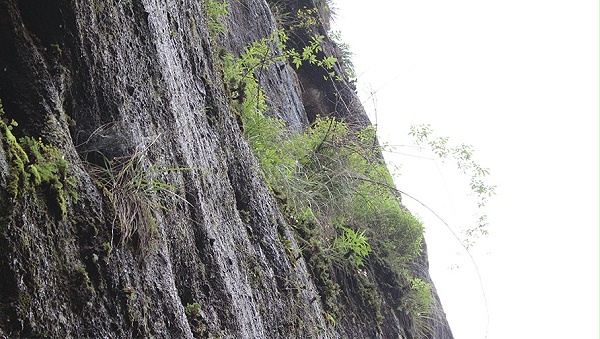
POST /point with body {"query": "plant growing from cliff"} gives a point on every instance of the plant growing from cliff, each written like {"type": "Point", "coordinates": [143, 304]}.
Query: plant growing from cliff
{"type": "Point", "coordinates": [331, 177]}
{"type": "Point", "coordinates": [462, 155]}
{"type": "Point", "coordinates": [49, 170]}
{"type": "Point", "coordinates": [18, 157]}
{"type": "Point", "coordinates": [124, 185]}
{"type": "Point", "coordinates": [135, 192]}
{"type": "Point", "coordinates": [34, 164]}
{"type": "Point", "coordinates": [240, 73]}
{"type": "Point", "coordinates": [193, 313]}
{"type": "Point", "coordinates": [309, 54]}
{"type": "Point", "coordinates": [416, 303]}
{"type": "Point", "coordinates": [305, 19]}
{"type": "Point", "coordinates": [346, 54]}
{"type": "Point", "coordinates": [215, 11]}
{"type": "Point", "coordinates": [352, 245]}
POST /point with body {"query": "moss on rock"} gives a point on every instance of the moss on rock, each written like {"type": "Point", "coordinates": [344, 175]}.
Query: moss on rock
{"type": "Point", "coordinates": [34, 164]}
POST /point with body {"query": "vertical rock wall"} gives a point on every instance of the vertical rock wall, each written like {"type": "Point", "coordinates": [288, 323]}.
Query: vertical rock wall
{"type": "Point", "coordinates": [141, 78]}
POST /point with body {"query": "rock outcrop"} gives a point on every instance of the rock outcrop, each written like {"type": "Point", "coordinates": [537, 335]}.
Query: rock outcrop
{"type": "Point", "coordinates": [138, 84]}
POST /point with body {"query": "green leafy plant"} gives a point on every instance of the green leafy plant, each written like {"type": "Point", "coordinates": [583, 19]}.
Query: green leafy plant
{"type": "Point", "coordinates": [240, 72]}
{"type": "Point", "coordinates": [304, 18]}
{"type": "Point", "coordinates": [352, 245]}
{"type": "Point", "coordinates": [462, 155]}
{"type": "Point", "coordinates": [332, 178]}
{"type": "Point", "coordinates": [215, 11]}
{"type": "Point", "coordinates": [417, 303]}
{"type": "Point", "coordinates": [345, 56]}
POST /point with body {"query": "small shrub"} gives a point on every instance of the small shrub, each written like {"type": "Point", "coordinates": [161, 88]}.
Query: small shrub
{"type": "Point", "coordinates": [216, 10]}
{"type": "Point", "coordinates": [239, 73]}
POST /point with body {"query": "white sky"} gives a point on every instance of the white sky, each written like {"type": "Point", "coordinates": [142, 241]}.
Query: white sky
{"type": "Point", "coordinates": [518, 80]}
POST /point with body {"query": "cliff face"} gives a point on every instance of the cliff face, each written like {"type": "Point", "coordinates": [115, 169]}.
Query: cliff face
{"type": "Point", "coordinates": [95, 95]}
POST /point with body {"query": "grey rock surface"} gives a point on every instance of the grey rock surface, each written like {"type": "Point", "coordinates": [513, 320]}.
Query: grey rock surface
{"type": "Point", "coordinates": [119, 77]}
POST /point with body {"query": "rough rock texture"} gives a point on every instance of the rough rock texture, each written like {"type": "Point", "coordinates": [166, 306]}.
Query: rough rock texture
{"type": "Point", "coordinates": [120, 77]}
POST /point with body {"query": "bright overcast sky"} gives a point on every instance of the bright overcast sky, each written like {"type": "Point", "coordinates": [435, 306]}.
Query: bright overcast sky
{"type": "Point", "coordinates": [518, 80]}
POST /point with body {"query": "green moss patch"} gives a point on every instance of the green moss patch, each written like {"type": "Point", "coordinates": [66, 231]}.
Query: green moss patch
{"type": "Point", "coordinates": [35, 165]}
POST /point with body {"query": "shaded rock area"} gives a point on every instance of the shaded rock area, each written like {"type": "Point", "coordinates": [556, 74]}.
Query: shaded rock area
{"type": "Point", "coordinates": [138, 83]}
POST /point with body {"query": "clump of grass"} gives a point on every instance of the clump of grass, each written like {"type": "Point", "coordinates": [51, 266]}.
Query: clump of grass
{"type": "Point", "coordinates": [135, 193]}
